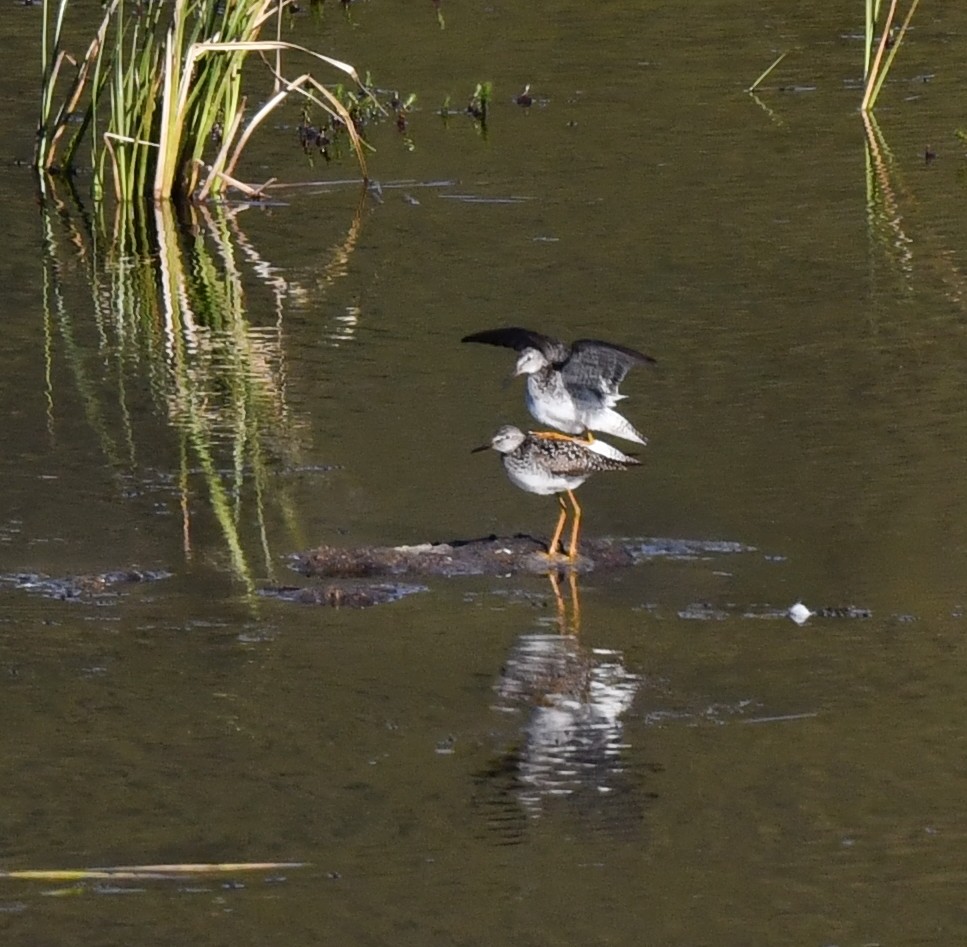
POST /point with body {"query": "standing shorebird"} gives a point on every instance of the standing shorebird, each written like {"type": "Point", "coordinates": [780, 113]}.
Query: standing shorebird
{"type": "Point", "coordinates": [552, 463]}
{"type": "Point", "coordinates": [572, 388]}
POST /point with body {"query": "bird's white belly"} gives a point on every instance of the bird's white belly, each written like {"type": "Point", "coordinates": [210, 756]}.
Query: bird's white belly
{"type": "Point", "coordinates": [559, 413]}
{"type": "Point", "coordinates": [541, 481]}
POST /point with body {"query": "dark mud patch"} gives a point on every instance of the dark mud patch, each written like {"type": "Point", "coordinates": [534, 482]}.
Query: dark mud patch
{"type": "Point", "coordinates": [496, 555]}
{"type": "Point", "coordinates": [492, 555]}
{"type": "Point", "coordinates": [352, 567]}
{"type": "Point", "coordinates": [104, 588]}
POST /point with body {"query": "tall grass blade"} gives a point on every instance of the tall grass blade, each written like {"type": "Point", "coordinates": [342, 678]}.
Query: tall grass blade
{"type": "Point", "coordinates": [171, 73]}
{"type": "Point", "coordinates": [873, 79]}
{"type": "Point", "coordinates": [879, 74]}
{"type": "Point", "coordinates": [875, 74]}
{"type": "Point", "coordinates": [779, 59]}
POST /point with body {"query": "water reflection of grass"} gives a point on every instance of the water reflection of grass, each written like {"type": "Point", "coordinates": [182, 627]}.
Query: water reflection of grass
{"type": "Point", "coordinates": [913, 251]}
{"type": "Point", "coordinates": [883, 217]}
{"type": "Point", "coordinates": [169, 305]}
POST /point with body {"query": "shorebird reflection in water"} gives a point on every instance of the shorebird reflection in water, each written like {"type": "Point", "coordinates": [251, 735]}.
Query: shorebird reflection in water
{"type": "Point", "coordinates": [551, 463]}
{"type": "Point", "coordinates": [573, 388]}
{"type": "Point", "coordinates": [573, 747]}
{"type": "Point", "coordinates": [568, 621]}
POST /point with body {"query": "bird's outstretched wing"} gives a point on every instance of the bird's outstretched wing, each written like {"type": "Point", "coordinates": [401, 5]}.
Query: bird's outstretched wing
{"type": "Point", "coordinates": [513, 337]}
{"type": "Point", "coordinates": [600, 366]}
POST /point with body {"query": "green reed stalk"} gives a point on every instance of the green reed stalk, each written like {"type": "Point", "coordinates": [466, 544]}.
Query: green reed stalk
{"type": "Point", "coordinates": [872, 12]}
{"type": "Point", "coordinates": [50, 63]}
{"type": "Point", "coordinates": [875, 74]}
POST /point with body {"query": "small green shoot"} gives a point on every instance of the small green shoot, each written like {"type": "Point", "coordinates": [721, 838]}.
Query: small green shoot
{"type": "Point", "coordinates": [479, 103]}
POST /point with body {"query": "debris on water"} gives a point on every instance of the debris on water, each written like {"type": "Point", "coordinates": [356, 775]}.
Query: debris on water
{"type": "Point", "coordinates": [685, 548]}
{"type": "Point", "coordinates": [315, 468]}
{"type": "Point", "coordinates": [525, 99]}
{"type": "Point", "coordinates": [843, 611]}
{"type": "Point", "coordinates": [446, 746]}
{"type": "Point", "coordinates": [117, 889]}
{"type": "Point", "coordinates": [783, 718]}
{"type": "Point", "coordinates": [799, 613]}
{"type": "Point", "coordinates": [344, 594]}
{"type": "Point", "coordinates": [477, 199]}
{"type": "Point", "coordinates": [703, 611]}
{"type": "Point", "coordinates": [99, 589]}
{"type": "Point", "coordinates": [695, 713]}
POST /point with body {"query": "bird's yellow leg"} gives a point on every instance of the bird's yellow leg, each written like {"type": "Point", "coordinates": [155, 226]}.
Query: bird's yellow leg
{"type": "Point", "coordinates": [572, 579]}
{"type": "Point", "coordinates": [555, 579]}
{"type": "Point", "coordinates": [575, 526]}
{"type": "Point", "coordinates": [555, 542]}
{"type": "Point", "coordinates": [568, 624]}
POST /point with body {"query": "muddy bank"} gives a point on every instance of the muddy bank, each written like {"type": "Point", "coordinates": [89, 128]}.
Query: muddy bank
{"type": "Point", "coordinates": [498, 555]}
{"type": "Point", "coordinates": [492, 555]}
{"type": "Point", "coordinates": [348, 571]}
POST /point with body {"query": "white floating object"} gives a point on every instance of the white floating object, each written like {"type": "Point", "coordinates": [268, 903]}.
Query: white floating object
{"type": "Point", "coordinates": [799, 613]}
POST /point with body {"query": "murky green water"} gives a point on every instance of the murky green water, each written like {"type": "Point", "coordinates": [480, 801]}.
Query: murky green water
{"type": "Point", "coordinates": [460, 767]}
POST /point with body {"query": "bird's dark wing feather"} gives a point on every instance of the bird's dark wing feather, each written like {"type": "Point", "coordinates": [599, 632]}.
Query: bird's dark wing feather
{"type": "Point", "coordinates": [600, 366]}
{"type": "Point", "coordinates": [513, 337]}
{"type": "Point", "coordinates": [575, 461]}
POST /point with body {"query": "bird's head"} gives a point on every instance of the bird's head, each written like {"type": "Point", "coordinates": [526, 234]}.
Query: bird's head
{"type": "Point", "coordinates": [507, 439]}
{"type": "Point", "coordinates": [530, 361]}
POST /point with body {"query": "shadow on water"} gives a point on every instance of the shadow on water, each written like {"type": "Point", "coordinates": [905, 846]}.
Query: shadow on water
{"type": "Point", "coordinates": [169, 291]}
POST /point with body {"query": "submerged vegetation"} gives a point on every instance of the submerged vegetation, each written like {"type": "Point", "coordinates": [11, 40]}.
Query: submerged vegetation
{"type": "Point", "coordinates": [158, 94]}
